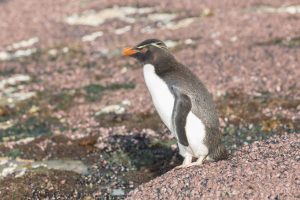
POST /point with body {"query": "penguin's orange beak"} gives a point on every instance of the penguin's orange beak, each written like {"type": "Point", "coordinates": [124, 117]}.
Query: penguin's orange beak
{"type": "Point", "coordinates": [128, 51]}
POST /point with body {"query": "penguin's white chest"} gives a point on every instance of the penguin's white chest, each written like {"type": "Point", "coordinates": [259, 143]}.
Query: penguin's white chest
{"type": "Point", "coordinates": [163, 101]}
{"type": "Point", "coordinates": [162, 98]}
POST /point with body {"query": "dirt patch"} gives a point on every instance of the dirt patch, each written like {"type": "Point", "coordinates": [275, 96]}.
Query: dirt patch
{"type": "Point", "coordinates": [43, 183]}
{"type": "Point", "coordinates": [55, 147]}
{"type": "Point", "coordinates": [131, 120]}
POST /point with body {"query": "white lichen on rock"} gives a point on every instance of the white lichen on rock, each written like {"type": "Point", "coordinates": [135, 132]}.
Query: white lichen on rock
{"type": "Point", "coordinates": [116, 108]}
{"type": "Point", "coordinates": [96, 18]}
{"type": "Point", "coordinates": [11, 90]}
{"type": "Point", "coordinates": [92, 37]}
{"type": "Point", "coordinates": [18, 166]}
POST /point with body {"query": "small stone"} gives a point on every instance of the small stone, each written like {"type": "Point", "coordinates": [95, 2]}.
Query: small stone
{"type": "Point", "coordinates": [33, 109]}
{"type": "Point", "coordinates": [234, 39]}
{"type": "Point", "coordinates": [65, 50]}
{"type": "Point", "coordinates": [207, 12]}
{"type": "Point", "coordinates": [171, 44]}
{"type": "Point", "coordinates": [122, 30]}
{"type": "Point", "coordinates": [53, 52]}
{"type": "Point", "coordinates": [2, 112]}
{"type": "Point", "coordinates": [6, 125]}
{"type": "Point", "coordinates": [92, 37]}
{"type": "Point", "coordinates": [118, 192]}
{"type": "Point", "coordinates": [117, 108]}
{"type": "Point", "coordinates": [181, 23]}
{"type": "Point", "coordinates": [88, 198]}
{"type": "Point", "coordinates": [5, 55]}
{"type": "Point", "coordinates": [124, 70]}
{"type": "Point", "coordinates": [189, 41]}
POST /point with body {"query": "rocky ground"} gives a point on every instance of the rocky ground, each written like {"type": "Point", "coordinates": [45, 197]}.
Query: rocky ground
{"type": "Point", "coordinates": [76, 120]}
{"type": "Point", "coordinates": [262, 170]}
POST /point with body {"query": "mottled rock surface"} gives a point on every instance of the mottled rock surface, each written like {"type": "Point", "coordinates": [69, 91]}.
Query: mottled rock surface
{"type": "Point", "coordinates": [263, 170]}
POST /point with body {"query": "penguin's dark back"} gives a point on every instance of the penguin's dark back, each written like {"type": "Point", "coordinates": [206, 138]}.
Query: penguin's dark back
{"type": "Point", "coordinates": [202, 103]}
{"type": "Point", "coordinates": [202, 106]}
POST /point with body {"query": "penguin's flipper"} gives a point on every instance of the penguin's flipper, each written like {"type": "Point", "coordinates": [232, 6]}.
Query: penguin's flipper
{"type": "Point", "coordinates": [182, 107]}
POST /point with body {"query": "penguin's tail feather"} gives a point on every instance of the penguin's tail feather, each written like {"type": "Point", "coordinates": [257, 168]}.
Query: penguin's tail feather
{"type": "Point", "coordinates": [219, 153]}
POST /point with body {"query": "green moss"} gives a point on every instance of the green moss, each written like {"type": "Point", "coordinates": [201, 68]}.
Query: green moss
{"type": "Point", "coordinates": [290, 42]}
{"type": "Point", "coordinates": [14, 153]}
{"type": "Point", "coordinates": [27, 124]}
{"type": "Point", "coordinates": [31, 127]}
{"type": "Point", "coordinates": [162, 143]}
{"type": "Point", "coordinates": [122, 158]}
{"type": "Point", "coordinates": [117, 86]}
{"type": "Point", "coordinates": [95, 91]}
{"type": "Point", "coordinates": [7, 72]}
{"type": "Point", "coordinates": [62, 100]}
{"type": "Point", "coordinates": [89, 64]}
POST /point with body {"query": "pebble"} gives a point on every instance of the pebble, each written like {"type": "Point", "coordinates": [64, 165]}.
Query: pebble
{"type": "Point", "coordinates": [118, 192]}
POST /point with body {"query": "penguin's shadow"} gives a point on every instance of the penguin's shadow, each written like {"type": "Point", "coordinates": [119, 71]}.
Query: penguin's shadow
{"type": "Point", "coordinates": [144, 153]}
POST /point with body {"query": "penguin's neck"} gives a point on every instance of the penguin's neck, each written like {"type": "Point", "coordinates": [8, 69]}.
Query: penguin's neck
{"type": "Point", "coordinates": [161, 64]}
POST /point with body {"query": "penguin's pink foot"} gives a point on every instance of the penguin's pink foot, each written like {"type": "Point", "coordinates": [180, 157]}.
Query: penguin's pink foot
{"type": "Point", "coordinates": [184, 166]}
{"type": "Point", "coordinates": [187, 165]}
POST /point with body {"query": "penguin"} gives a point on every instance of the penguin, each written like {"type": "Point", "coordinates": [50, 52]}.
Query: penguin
{"type": "Point", "coordinates": [182, 102]}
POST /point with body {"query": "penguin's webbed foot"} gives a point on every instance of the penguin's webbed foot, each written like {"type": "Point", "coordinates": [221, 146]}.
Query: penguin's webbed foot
{"type": "Point", "coordinates": [187, 165]}
{"type": "Point", "coordinates": [184, 166]}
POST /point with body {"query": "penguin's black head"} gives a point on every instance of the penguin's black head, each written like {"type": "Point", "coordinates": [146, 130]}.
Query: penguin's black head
{"type": "Point", "coordinates": [149, 51]}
